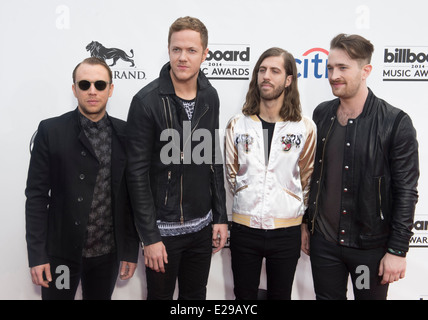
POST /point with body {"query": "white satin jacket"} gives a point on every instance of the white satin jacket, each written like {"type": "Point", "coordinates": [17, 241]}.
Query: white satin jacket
{"type": "Point", "coordinates": [274, 194]}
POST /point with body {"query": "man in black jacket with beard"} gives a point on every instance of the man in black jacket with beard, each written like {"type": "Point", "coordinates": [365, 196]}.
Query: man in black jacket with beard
{"type": "Point", "coordinates": [361, 215]}
{"type": "Point", "coordinates": [176, 184]}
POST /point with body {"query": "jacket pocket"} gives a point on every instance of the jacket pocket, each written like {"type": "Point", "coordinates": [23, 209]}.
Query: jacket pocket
{"type": "Point", "coordinates": [241, 188]}
{"type": "Point", "coordinates": [292, 194]}
{"type": "Point", "coordinates": [373, 241]}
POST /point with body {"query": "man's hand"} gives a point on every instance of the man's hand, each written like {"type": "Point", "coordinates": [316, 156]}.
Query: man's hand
{"type": "Point", "coordinates": [127, 270]}
{"type": "Point", "coordinates": [155, 256]}
{"type": "Point", "coordinates": [37, 275]}
{"type": "Point", "coordinates": [219, 236]}
{"type": "Point", "coordinates": [392, 268]}
{"type": "Point", "coordinates": [305, 247]}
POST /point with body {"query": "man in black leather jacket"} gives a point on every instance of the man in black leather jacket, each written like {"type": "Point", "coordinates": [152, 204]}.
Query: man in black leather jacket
{"type": "Point", "coordinates": [176, 185]}
{"type": "Point", "coordinates": [364, 186]}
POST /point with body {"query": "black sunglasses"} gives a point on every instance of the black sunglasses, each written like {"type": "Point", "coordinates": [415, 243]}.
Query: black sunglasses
{"type": "Point", "coordinates": [100, 85]}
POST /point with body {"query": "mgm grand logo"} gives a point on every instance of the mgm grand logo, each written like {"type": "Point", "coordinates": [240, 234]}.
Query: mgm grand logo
{"type": "Point", "coordinates": [115, 57]}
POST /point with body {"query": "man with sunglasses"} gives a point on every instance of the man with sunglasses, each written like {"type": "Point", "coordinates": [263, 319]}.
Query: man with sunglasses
{"type": "Point", "coordinates": [78, 220]}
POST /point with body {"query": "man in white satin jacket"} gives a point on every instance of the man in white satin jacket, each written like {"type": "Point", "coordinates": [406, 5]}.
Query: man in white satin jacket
{"type": "Point", "coordinates": [269, 151]}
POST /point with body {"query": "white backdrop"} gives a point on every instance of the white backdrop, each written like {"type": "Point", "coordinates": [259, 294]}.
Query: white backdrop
{"type": "Point", "coordinates": [42, 41]}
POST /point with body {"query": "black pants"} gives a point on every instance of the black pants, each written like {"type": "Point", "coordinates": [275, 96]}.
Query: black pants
{"type": "Point", "coordinates": [98, 276]}
{"type": "Point", "coordinates": [189, 261]}
{"type": "Point", "coordinates": [332, 264]}
{"type": "Point", "coordinates": [280, 247]}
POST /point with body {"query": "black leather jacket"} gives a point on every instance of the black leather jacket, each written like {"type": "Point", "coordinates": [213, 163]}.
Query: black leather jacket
{"type": "Point", "coordinates": [380, 175]}
{"type": "Point", "coordinates": [165, 182]}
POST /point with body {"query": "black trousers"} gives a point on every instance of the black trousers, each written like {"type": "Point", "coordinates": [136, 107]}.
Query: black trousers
{"type": "Point", "coordinates": [98, 277]}
{"type": "Point", "coordinates": [189, 261]}
{"type": "Point", "coordinates": [280, 247]}
{"type": "Point", "coordinates": [332, 264]}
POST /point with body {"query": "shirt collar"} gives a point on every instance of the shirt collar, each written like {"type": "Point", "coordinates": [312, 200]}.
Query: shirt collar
{"type": "Point", "coordinates": [88, 123]}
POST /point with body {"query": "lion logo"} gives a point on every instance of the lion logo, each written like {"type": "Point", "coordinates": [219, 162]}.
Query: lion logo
{"type": "Point", "coordinates": [99, 51]}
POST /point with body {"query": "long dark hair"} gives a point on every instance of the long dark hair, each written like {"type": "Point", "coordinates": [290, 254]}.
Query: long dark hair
{"type": "Point", "coordinates": [291, 109]}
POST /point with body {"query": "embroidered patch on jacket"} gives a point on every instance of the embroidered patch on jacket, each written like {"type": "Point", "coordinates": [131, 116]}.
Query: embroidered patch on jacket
{"type": "Point", "coordinates": [246, 140]}
{"type": "Point", "coordinates": [291, 139]}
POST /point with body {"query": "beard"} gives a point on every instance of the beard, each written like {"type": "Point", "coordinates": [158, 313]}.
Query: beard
{"type": "Point", "coordinates": [273, 95]}
{"type": "Point", "coordinates": [348, 89]}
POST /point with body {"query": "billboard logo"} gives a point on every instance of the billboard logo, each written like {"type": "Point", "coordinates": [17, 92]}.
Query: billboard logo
{"type": "Point", "coordinates": [227, 62]}
{"type": "Point", "coordinates": [420, 232]}
{"type": "Point", "coordinates": [405, 64]}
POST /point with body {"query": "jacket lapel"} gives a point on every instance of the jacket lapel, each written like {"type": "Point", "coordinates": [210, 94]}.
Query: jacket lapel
{"type": "Point", "coordinates": [82, 136]}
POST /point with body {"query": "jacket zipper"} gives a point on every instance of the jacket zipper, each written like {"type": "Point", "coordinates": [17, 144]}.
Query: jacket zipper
{"type": "Point", "coordinates": [193, 130]}
{"type": "Point", "coordinates": [181, 161]}
{"type": "Point", "coordinates": [212, 170]}
{"type": "Point", "coordinates": [322, 169]}
{"type": "Point", "coordinates": [266, 168]}
{"type": "Point", "coordinates": [380, 199]}
{"type": "Point", "coordinates": [181, 200]}
{"type": "Point", "coordinates": [167, 187]}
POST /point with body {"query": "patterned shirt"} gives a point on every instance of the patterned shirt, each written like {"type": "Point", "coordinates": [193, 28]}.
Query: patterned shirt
{"type": "Point", "coordinates": [99, 234]}
{"type": "Point", "coordinates": [189, 107]}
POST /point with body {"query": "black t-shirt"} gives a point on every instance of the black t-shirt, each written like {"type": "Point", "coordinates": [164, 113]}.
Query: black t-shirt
{"type": "Point", "coordinates": [270, 127]}
{"type": "Point", "coordinates": [328, 220]}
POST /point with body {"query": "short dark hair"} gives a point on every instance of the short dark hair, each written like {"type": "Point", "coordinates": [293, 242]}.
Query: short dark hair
{"type": "Point", "coordinates": [189, 23]}
{"type": "Point", "coordinates": [357, 47]}
{"type": "Point", "coordinates": [94, 61]}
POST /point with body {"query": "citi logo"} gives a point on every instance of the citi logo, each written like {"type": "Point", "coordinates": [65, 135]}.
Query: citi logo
{"type": "Point", "coordinates": [400, 55]}
{"type": "Point", "coordinates": [313, 64]}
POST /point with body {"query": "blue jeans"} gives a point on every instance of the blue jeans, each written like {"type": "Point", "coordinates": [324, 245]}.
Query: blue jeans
{"type": "Point", "coordinates": [280, 247]}
{"type": "Point", "coordinates": [332, 264]}
{"type": "Point", "coordinates": [189, 261]}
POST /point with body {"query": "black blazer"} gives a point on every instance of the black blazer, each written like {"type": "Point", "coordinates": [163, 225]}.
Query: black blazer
{"type": "Point", "coordinates": [60, 185]}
